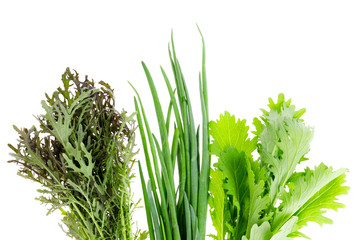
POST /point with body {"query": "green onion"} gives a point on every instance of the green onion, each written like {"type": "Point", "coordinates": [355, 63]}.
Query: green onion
{"type": "Point", "coordinates": [176, 210]}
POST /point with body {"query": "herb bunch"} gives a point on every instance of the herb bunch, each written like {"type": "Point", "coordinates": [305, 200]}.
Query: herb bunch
{"type": "Point", "coordinates": [266, 198]}
{"type": "Point", "coordinates": [82, 155]}
{"type": "Point", "coordinates": [176, 209]}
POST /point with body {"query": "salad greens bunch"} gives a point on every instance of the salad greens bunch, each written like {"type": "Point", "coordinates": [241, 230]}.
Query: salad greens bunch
{"type": "Point", "coordinates": [82, 155]}
{"type": "Point", "coordinates": [266, 198]}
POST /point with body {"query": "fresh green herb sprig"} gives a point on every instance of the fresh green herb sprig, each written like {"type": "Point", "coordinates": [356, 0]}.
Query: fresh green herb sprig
{"type": "Point", "coordinates": [176, 210]}
{"type": "Point", "coordinates": [82, 155]}
{"type": "Point", "coordinates": [266, 198]}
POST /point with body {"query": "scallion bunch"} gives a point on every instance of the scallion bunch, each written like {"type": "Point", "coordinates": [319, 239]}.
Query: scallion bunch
{"type": "Point", "coordinates": [176, 209]}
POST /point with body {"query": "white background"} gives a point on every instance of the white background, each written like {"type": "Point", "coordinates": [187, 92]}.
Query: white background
{"type": "Point", "coordinates": [309, 50]}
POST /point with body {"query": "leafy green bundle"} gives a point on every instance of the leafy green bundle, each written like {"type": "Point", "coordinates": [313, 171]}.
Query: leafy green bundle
{"type": "Point", "coordinates": [266, 198]}
{"type": "Point", "coordinates": [82, 155]}
{"type": "Point", "coordinates": [171, 215]}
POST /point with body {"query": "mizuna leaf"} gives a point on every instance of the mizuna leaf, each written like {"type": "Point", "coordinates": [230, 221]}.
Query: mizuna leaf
{"type": "Point", "coordinates": [284, 142]}
{"type": "Point", "coordinates": [233, 165]}
{"type": "Point", "coordinates": [216, 201]}
{"type": "Point", "coordinates": [257, 202]}
{"type": "Point", "coordinates": [261, 232]}
{"type": "Point", "coordinates": [227, 132]}
{"type": "Point", "coordinates": [310, 193]}
{"type": "Point", "coordinates": [284, 232]}
{"type": "Point", "coordinates": [82, 157]}
{"type": "Point", "coordinates": [60, 117]}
